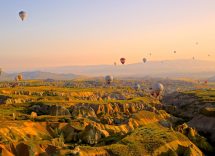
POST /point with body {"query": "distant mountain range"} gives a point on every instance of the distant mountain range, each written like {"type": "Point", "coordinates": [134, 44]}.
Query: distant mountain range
{"type": "Point", "coordinates": [38, 75]}
{"type": "Point", "coordinates": [169, 68]}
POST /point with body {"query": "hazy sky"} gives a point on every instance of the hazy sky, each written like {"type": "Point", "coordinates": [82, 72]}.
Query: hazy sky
{"type": "Point", "coordinates": [82, 32]}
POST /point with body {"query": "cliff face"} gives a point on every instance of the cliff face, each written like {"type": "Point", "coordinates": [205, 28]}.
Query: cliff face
{"type": "Point", "coordinates": [204, 124]}
{"type": "Point", "coordinates": [198, 107]}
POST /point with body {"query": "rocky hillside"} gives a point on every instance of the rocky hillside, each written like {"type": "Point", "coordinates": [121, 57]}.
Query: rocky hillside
{"type": "Point", "coordinates": [197, 107]}
{"type": "Point", "coordinates": [55, 120]}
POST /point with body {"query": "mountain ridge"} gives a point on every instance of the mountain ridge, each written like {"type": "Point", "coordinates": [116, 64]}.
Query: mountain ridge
{"type": "Point", "coordinates": [169, 68]}
{"type": "Point", "coordinates": [31, 75]}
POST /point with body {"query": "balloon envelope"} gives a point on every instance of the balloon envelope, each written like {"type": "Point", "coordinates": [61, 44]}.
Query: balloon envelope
{"type": "Point", "coordinates": [122, 60]}
{"type": "Point", "coordinates": [158, 87]}
{"type": "Point", "coordinates": [136, 86]}
{"type": "Point", "coordinates": [19, 77]}
{"type": "Point", "coordinates": [144, 60]}
{"type": "Point", "coordinates": [108, 79]}
{"type": "Point", "coordinates": [23, 15]}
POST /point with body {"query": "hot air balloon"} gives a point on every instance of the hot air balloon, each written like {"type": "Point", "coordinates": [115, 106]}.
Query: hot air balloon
{"type": "Point", "coordinates": [23, 15]}
{"type": "Point", "coordinates": [157, 89]}
{"type": "Point", "coordinates": [114, 63]}
{"type": "Point", "coordinates": [136, 86]}
{"type": "Point", "coordinates": [19, 77]}
{"type": "Point", "coordinates": [122, 60]}
{"type": "Point", "coordinates": [144, 60]}
{"type": "Point", "coordinates": [109, 79]}
{"type": "Point", "coordinates": [174, 52]}
{"type": "Point", "coordinates": [193, 58]}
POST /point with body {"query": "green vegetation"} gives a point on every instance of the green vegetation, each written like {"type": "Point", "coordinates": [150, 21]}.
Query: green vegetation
{"type": "Point", "coordinates": [79, 117]}
{"type": "Point", "coordinates": [147, 140]}
{"type": "Point", "coordinates": [207, 95]}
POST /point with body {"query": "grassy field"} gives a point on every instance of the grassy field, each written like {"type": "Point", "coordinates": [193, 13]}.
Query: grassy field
{"type": "Point", "coordinates": [207, 95]}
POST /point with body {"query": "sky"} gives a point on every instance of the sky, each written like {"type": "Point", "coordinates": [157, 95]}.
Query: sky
{"type": "Point", "coordinates": [93, 32]}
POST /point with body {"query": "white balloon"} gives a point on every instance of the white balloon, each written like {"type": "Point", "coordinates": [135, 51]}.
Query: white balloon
{"type": "Point", "coordinates": [23, 15]}
{"type": "Point", "coordinates": [158, 87]}
{"type": "Point", "coordinates": [108, 79]}
{"type": "Point", "coordinates": [136, 86]}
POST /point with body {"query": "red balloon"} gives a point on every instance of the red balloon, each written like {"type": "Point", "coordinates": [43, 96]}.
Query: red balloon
{"type": "Point", "coordinates": [122, 60]}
